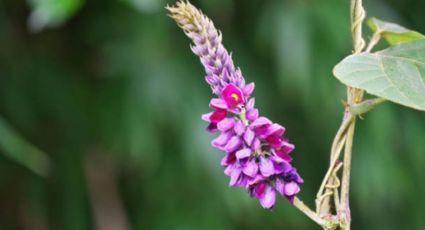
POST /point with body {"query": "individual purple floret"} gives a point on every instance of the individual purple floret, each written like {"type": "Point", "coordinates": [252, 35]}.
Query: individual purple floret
{"type": "Point", "coordinates": [257, 155]}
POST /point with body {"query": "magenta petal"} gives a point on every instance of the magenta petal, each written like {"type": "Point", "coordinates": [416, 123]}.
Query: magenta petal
{"type": "Point", "coordinates": [212, 128]}
{"type": "Point", "coordinates": [274, 140]}
{"type": "Point", "coordinates": [234, 143]}
{"type": "Point", "coordinates": [232, 95]}
{"type": "Point", "coordinates": [269, 198]}
{"type": "Point", "coordinates": [281, 167]}
{"type": "Point", "coordinates": [234, 176]}
{"type": "Point", "coordinates": [255, 144]}
{"type": "Point", "coordinates": [249, 136]}
{"type": "Point", "coordinates": [247, 90]}
{"type": "Point", "coordinates": [243, 153]}
{"type": "Point", "coordinates": [218, 103]}
{"type": "Point", "coordinates": [291, 189]}
{"type": "Point", "coordinates": [256, 179]}
{"type": "Point", "coordinates": [239, 128]}
{"type": "Point", "coordinates": [252, 114]}
{"type": "Point", "coordinates": [229, 169]}
{"type": "Point", "coordinates": [280, 186]}
{"type": "Point", "coordinates": [275, 129]}
{"type": "Point", "coordinates": [229, 159]}
{"type": "Point", "coordinates": [250, 104]}
{"type": "Point", "coordinates": [259, 189]}
{"type": "Point", "coordinates": [287, 147]}
{"type": "Point", "coordinates": [221, 140]}
{"type": "Point", "coordinates": [242, 181]}
{"type": "Point", "coordinates": [260, 122]}
{"type": "Point", "coordinates": [206, 116]}
{"type": "Point", "coordinates": [210, 79]}
{"type": "Point", "coordinates": [282, 155]}
{"type": "Point", "coordinates": [251, 168]}
{"type": "Point", "coordinates": [266, 167]}
{"type": "Point", "coordinates": [226, 124]}
{"type": "Point", "coordinates": [217, 115]}
{"type": "Point", "coordinates": [223, 161]}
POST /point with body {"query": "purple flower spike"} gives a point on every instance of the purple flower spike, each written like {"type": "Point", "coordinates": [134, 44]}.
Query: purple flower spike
{"type": "Point", "coordinates": [257, 155]}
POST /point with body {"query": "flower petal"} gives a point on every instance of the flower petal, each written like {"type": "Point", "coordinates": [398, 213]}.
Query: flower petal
{"type": "Point", "coordinates": [243, 153]}
{"type": "Point", "coordinates": [249, 136]}
{"type": "Point", "coordinates": [206, 116]}
{"type": "Point", "coordinates": [287, 147]}
{"type": "Point", "coordinates": [281, 167]}
{"type": "Point", "coordinates": [259, 189]}
{"type": "Point", "coordinates": [255, 144]}
{"type": "Point", "coordinates": [266, 167]}
{"type": "Point", "coordinates": [258, 177]}
{"type": "Point", "coordinates": [232, 95]}
{"type": "Point", "coordinates": [275, 129]}
{"type": "Point", "coordinates": [282, 155]}
{"type": "Point", "coordinates": [234, 143]}
{"type": "Point", "coordinates": [218, 103]}
{"type": "Point", "coordinates": [291, 188]}
{"type": "Point", "coordinates": [251, 168]}
{"type": "Point", "coordinates": [252, 114]}
{"type": "Point", "coordinates": [212, 128]}
{"type": "Point", "coordinates": [221, 140]}
{"type": "Point", "coordinates": [269, 198]}
{"type": "Point", "coordinates": [250, 104]}
{"type": "Point", "coordinates": [248, 89]}
{"type": "Point", "coordinates": [280, 186]}
{"type": "Point", "coordinates": [274, 140]}
{"type": "Point", "coordinates": [229, 159]}
{"type": "Point", "coordinates": [242, 181]}
{"type": "Point", "coordinates": [226, 124]}
{"type": "Point", "coordinates": [261, 121]}
{"type": "Point", "coordinates": [234, 176]}
{"type": "Point", "coordinates": [229, 169]}
{"type": "Point", "coordinates": [217, 115]}
{"type": "Point", "coordinates": [239, 128]}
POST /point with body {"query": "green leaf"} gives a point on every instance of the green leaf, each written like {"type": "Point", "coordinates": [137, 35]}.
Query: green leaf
{"type": "Point", "coordinates": [19, 150]}
{"type": "Point", "coordinates": [392, 32]}
{"type": "Point", "coordinates": [51, 13]}
{"type": "Point", "coordinates": [396, 74]}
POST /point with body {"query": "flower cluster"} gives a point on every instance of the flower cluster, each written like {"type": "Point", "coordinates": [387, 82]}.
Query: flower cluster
{"type": "Point", "coordinates": [257, 155]}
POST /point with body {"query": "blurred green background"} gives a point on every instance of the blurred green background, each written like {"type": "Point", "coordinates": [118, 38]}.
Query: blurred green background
{"type": "Point", "coordinates": [100, 105]}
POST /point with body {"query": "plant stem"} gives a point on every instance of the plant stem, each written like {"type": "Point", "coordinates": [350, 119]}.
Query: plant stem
{"type": "Point", "coordinates": [342, 140]}
{"type": "Point", "coordinates": [373, 41]}
{"type": "Point", "coordinates": [354, 96]}
{"type": "Point", "coordinates": [308, 212]}
{"type": "Point", "coordinates": [345, 214]}
{"type": "Point", "coordinates": [322, 201]}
